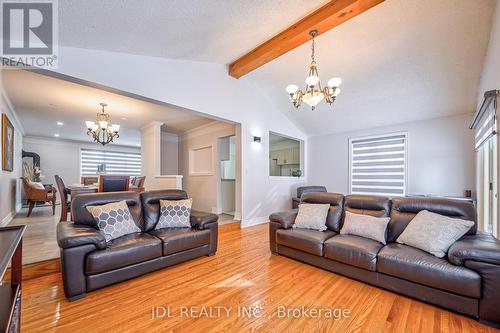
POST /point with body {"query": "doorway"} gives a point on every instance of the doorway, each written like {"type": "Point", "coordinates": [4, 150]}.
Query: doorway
{"type": "Point", "coordinates": [227, 179]}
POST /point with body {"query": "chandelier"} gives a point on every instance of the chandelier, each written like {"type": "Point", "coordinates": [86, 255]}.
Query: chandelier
{"type": "Point", "coordinates": [313, 92]}
{"type": "Point", "coordinates": [101, 130]}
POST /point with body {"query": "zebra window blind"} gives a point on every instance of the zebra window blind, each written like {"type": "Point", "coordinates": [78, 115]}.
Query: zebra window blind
{"type": "Point", "coordinates": [378, 165]}
{"type": "Point", "coordinates": [117, 163]}
{"type": "Point", "coordinates": [485, 120]}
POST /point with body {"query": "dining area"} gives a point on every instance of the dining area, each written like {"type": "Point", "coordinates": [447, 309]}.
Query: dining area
{"type": "Point", "coordinates": [95, 184]}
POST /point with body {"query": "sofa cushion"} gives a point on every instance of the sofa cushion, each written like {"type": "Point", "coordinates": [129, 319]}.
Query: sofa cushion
{"type": "Point", "coordinates": [365, 226]}
{"type": "Point", "coordinates": [336, 202]}
{"type": "Point", "coordinates": [124, 251]}
{"type": "Point", "coordinates": [180, 239]}
{"type": "Point", "coordinates": [310, 241]}
{"type": "Point", "coordinates": [311, 216]}
{"type": "Point", "coordinates": [353, 250]}
{"type": "Point", "coordinates": [415, 265]}
{"type": "Point", "coordinates": [174, 214]}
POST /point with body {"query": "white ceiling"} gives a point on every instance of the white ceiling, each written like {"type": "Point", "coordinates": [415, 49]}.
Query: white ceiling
{"type": "Point", "coordinates": [41, 101]}
{"type": "Point", "coordinates": [400, 61]}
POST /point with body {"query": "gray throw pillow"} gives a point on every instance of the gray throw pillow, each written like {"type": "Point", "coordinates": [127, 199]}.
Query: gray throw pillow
{"type": "Point", "coordinates": [434, 233]}
{"type": "Point", "coordinates": [312, 216]}
{"type": "Point", "coordinates": [114, 219]}
{"type": "Point", "coordinates": [365, 226]}
{"type": "Point", "coordinates": [175, 214]}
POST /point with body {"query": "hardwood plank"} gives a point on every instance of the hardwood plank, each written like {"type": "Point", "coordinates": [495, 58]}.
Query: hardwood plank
{"type": "Point", "coordinates": [323, 19]}
{"type": "Point", "coordinates": [242, 273]}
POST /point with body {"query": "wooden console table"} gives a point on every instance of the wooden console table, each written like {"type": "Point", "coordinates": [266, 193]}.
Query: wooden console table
{"type": "Point", "coordinates": [11, 248]}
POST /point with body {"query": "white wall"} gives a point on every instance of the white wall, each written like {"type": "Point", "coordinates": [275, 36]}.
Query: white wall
{"type": "Point", "coordinates": [441, 156]}
{"type": "Point", "coordinates": [490, 78]}
{"type": "Point", "coordinates": [10, 184]}
{"type": "Point", "coordinates": [206, 88]}
{"type": "Point", "coordinates": [169, 154]}
{"type": "Point", "coordinates": [62, 157]}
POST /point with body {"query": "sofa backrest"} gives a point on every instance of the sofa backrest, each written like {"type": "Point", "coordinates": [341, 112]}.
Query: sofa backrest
{"type": "Point", "coordinates": [308, 189]}
{"type": "Point", "coordinates": [151, 205]}
{"type": "Point", "coordinates": [404, 209]}
{"type": "Point", "coordinates": [368, 205]}
{"type": "Point", "coordinates": [82, 216]}
{"type": "Point", "coordinates": [335, 213]}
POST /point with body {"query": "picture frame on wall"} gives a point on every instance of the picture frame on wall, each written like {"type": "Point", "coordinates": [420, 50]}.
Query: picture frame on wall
{"type": "Point", "coordinates": [7, 144]}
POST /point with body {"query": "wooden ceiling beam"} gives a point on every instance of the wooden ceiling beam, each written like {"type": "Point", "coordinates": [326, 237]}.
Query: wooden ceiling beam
{"type": "Point", "coordinates": [325, 18]}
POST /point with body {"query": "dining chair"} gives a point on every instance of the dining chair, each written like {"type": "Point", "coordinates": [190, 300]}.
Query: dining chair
{"type": "Point", "coordinates": [37, 192]}
{"type": "Point", "coordinates": [89, 180]}
{"type": "Point", "coordinates": [65, 203]}
{"type": "Point", "coordinates": [109, 183]}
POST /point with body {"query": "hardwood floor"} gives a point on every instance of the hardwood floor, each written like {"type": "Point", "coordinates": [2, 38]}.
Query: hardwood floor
{"type": "Point", "coordinates": [39, 241]}
{"type": "Point", "coordinates": [243, 273]}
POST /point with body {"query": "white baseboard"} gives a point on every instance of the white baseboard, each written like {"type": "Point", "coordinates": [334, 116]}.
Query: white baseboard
{"type": "Point", "coordinates": [245, 223]}
{"type": "Point", "coordinates": [216, 210]}
{"type": "Point", "coordinates": [237, 216]}
{"type": "Point", "coordinates": [6, 220]}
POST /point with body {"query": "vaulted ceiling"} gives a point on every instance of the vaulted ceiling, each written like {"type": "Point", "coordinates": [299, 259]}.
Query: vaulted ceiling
{"type": "Point", "coordinates": [400, 61]}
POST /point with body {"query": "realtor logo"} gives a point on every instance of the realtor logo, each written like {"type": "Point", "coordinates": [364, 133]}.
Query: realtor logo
{"type": "Point", "coordinates": [29, 33]}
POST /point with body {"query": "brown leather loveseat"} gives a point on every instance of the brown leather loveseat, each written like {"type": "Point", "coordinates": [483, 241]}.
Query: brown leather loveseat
{"type": "Point", "coordinates": [467, 280]}
{"type": "Point", "coordinates": [89, 263]}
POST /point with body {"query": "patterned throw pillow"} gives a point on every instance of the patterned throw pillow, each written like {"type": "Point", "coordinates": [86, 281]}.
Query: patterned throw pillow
{"type": "Point", "coordinates": [312, 216]}
{"type": "Point", "coordinates": [434, 233]}
{"type": "Point", "coordinates": [365, 226]}
{"type": "Point", "coordinates": [114, 219]}
{"type": "Point", "coordinates": [175, 214]}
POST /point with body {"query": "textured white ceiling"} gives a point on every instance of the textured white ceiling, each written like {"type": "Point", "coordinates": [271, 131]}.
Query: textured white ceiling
{"type": "Point", "coordinates": [41, 101]}
{"type": "Point", "coordinates": [217, 31]}
{"type": "Point", "coordinates": [402, 60]}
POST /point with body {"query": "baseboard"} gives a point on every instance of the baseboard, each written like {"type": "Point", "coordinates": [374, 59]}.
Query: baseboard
{"type": "Point", "coordinates": [237, 216]}
{"type": "Point", "coordinates": [6, 220]}
{"type": "Point", "coordinates": [216, 210]}
{"type": "Point", "coordinates": [253, 221]}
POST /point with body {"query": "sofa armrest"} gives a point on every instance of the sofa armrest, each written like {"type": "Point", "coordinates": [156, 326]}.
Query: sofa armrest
{"type": "Point", "coordinates": [200, 219]}
{"type": "Point", "coordinates": [286, 218]}
{"type": "Point", "coordinates": [481, 247]}
{"type": "Point", "coordinates": [72, 235]}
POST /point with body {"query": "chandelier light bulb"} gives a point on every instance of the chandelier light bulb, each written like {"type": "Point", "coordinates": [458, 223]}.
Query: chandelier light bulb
{"type": "Point", "coordinates": [115, 128]}
{"type": "Point", "coordinates": [336, 92]}
{"type": "Point", "coordinates": [95, 128]}
{"type": "Point", "coordinates": [335, 82]}
{"type": "Point", "coordinates": [312, 80]}
{"type": "Point", "coordinates": [89, 124]}
{"type": "Point", "coordinates": [292, 89]}
{"type": "Point", "coordinates": [314, 98]}
{"type": "Point", "coordinates": [103, 124]}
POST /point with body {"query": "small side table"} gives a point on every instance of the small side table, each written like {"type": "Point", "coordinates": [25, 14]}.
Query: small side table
{"type": "Point", "coordinates": [11, 250]}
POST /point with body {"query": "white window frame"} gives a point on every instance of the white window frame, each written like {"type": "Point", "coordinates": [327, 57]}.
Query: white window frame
{"type": "Point", "coordinates": [406, 164]}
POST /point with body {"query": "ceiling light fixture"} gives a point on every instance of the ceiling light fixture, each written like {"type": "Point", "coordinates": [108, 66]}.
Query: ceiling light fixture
{"type": "Point", "coordinates": [56, 135]}
{"type": "Point", "coordinates": [60, 123]}
{"type": "Point", "coordinates": [314, 93]}
{"type": "Point", "coordinates": [101, 130]}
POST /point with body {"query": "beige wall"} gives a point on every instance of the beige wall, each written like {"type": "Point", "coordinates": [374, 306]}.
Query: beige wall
{"type": "Point", "coordinates": [202, 188]}
{"type": "Point", "coordinates": [10, 184]}
{"type": "Point", "coordinates": [169, 154]}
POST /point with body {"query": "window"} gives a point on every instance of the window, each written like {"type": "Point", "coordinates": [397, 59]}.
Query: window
{"type": "Point", "coordinates": [285, 156]}
{"type": "Point", "coordinates": [378, 165]}
{"type": "Point", "coordinates": [116, 163]}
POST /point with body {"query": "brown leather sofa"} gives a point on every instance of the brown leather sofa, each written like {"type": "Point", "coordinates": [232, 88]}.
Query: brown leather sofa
{"type": "Point", "coordinates": [305, 189]}
{"type": "Point", "coordinates": [89, 263]}
{"type": "Point", "coordinates": [466, 281]}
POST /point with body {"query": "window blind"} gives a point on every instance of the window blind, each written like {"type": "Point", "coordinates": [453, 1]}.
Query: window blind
{"type": "Point", "coordinates": [378, 165]}
{"type": "Point", "coordinates": [484, 123]}
{"type": "Point", "coordinates": [117, 163]}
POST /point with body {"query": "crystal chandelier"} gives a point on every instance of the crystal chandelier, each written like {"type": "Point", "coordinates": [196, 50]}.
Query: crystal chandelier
{"type": "Point", "coordinates": [313, 92]}
{"type": "Point", "coordinates": [101, 130]}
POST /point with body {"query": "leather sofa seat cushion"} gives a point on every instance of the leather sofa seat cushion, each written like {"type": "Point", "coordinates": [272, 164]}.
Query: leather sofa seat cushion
{"type": "Point", "coordinates": [415, 265]}
{"type": "Point", "coordinates": [180, 239]}
{"type": "Point", "coordinates": [353, 250]}
{"type": "Point", "coordinates": [123, 251]}
{"type": "Point", "coordinates": [307, 240]}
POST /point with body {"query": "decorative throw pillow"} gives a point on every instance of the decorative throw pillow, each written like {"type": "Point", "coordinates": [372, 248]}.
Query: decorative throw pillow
{"type": "Point", "coordinates": [434, 233]}
{"type": "Point", "coordinates": [365, 226]}
{"type": "Point", "coordinates": [114, 219]}
{"type": "Point", "coordinates": [36, 185]}
{"type": "Point", "coordinates": [312, 216]}
{"type": "Point", "coordinates": [175, 214]}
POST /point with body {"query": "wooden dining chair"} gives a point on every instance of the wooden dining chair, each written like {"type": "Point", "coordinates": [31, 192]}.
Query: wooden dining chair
{"type": "Point", "coordinates": [89, 180]}
{"type": "Point", "coordinates": [36, 194]}
{"type": "Point", "coordinates": [109, 183]}
{"type": "Point", "coordinates": [65, 203]}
